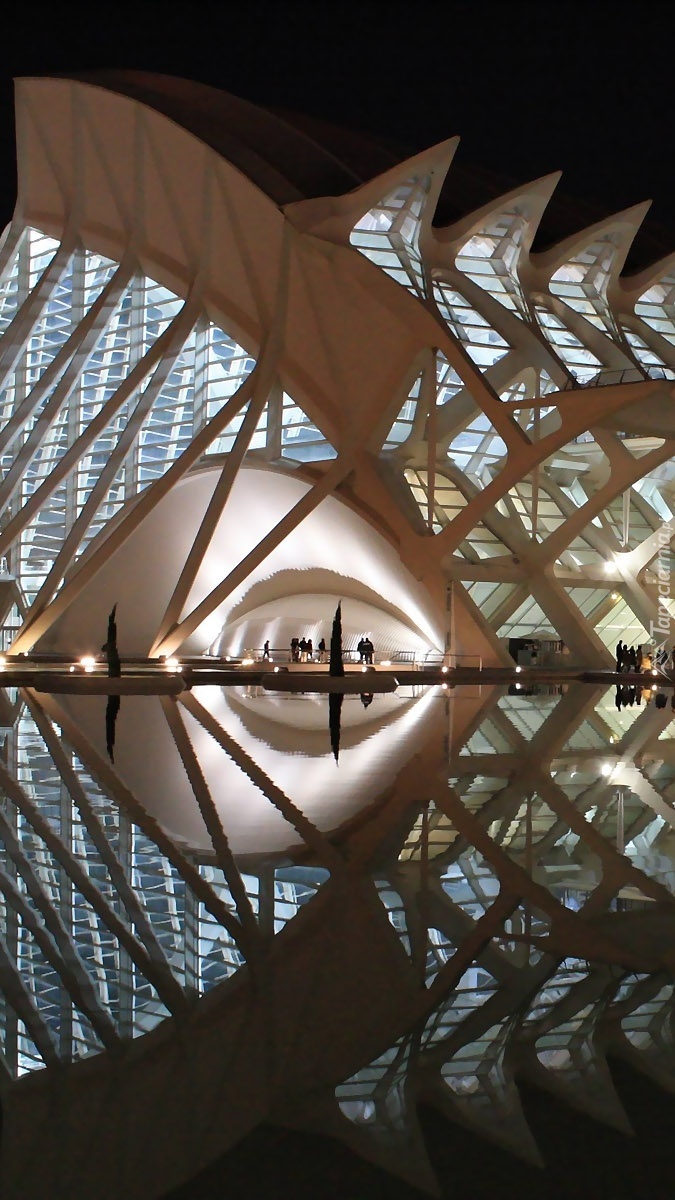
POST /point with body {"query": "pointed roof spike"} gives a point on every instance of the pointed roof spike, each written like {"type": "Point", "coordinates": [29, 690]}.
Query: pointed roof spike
{"type": "Point", "coordinates": [536, 195]}
{"type": "Point", "coordinates": [504, 1125]}
{"type": "Point", "coordinates": [625, 224]}
{"type": "Point", "coordinates": [333, 217]}
{"type": "Point", "coordinates": [634, 285]}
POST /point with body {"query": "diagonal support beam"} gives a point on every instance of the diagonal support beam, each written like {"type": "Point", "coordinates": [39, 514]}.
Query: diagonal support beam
{"type": "Point", "coordinates": [324, 851]}
{"type": "Point", "coordinates": [128, 896]}
{"type": "Point", "coordinates": [114, 787]}
{"type": "Point", "coordinates": [106, 544]}
{"type": "Point", "coordinates": [172, 996]}
{"type": "Point", "coordinates": [213, 514]}
{"type": "Point", "coordinates": [125, 441]}
{"type": "Point", "coordinates": [207, 808]}
{"type": "Point", "coordinates": [68, 461]}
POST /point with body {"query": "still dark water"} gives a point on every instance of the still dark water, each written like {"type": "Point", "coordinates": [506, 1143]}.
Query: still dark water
{"type": "Point", "coordinates": [461, 910]}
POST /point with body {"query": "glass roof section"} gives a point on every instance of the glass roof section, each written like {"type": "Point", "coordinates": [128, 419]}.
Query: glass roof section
{"type": "Point", "coordinates": [447, 500]}
{"type": "Point", "coordinates": [388, 234]}
{"type": "Point", "coordinates": [403, 425]}
{"type": "Point", "coordinates": [644, 353]}
{"type": "Point", "coordinates": [477, 450]}
{"type": "Point", "coordinates": [582, 283]}
{"type": "Point", "coordinates": [579, 360]}
{"type": "Point", "coordinates": [481, 341]}
{"type": "Point", "coordinates": [656, 307]}
{"type": "Point", "coordinates": [490, 259]}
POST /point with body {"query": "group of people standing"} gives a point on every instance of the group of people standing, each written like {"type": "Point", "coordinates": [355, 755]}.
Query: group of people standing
{"type": "Point", "coordinates": [633, 658]}
{"type": "Point", "coordinates": [628, 658]}
{"type": "Point", "coordinates": [302, 650]}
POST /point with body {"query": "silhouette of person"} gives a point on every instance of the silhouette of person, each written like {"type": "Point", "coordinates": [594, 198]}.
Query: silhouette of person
{"type": "Point", "coordinates": [109, 647]}
{"type": "Point", "coordinates": [322, 650]}
{"type": "Point", "coordinates": [266, 650]}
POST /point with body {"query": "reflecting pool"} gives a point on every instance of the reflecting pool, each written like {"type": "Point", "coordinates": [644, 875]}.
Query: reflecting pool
{"type": "Point", "coordinates": [229, 917]}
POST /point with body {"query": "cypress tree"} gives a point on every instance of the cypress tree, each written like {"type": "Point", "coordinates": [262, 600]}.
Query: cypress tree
{"type": "Point", "coordinates": [336, 665]}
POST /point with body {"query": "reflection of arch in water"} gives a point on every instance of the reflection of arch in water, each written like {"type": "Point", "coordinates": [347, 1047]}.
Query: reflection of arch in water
{"type": "Point", "coordinates": [147, 759]}
{"type": "Point", "coordinates": [298, 724]}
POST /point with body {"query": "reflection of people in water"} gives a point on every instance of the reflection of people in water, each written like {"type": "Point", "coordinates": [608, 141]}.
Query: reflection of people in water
{"type": "Point", "coordinates": [366, 698]}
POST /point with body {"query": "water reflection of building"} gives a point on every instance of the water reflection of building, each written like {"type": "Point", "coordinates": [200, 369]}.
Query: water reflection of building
{"type": "Point", "coordinates": [507, 911]}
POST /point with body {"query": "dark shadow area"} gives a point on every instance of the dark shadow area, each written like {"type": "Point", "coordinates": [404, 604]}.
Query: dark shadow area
{"type": "Point", "coordinates": [584, 1159]}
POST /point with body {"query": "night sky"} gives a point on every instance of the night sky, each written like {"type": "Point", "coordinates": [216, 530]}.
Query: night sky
{"type": "Point", "coordinates": [531, 88]}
